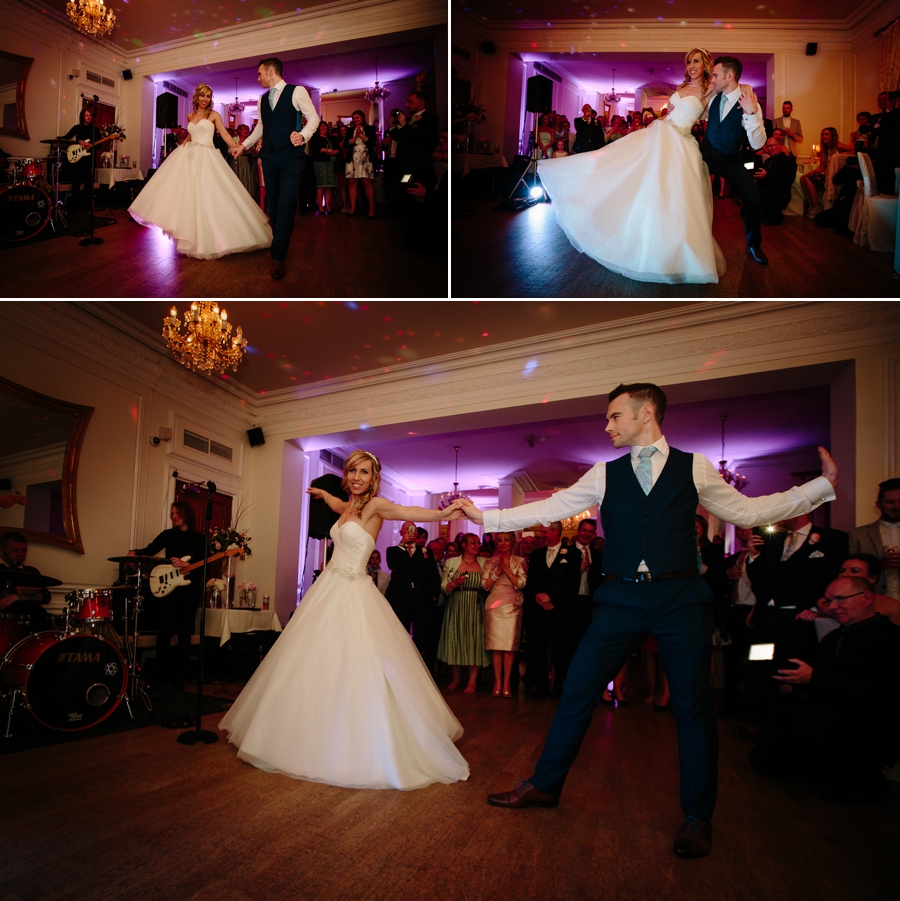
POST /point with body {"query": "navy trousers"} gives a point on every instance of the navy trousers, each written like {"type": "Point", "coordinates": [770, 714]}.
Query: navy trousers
{"type": "Point", "coordinates": [678, 613]}
{"type": "Point", "coordinates": [744, 185]}
{"type": "Point", "coordinates": [282, 169]}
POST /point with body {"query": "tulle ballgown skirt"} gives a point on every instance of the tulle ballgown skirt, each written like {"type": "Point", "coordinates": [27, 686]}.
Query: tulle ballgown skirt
{"type": "Point", "coordinates": [344, 698]}
{"type": "Point", "coordinates": [641, 207]}
{"type": "Point", "coordinates": [198, 201]}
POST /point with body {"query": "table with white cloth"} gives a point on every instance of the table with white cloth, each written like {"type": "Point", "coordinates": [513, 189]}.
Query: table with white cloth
{"type": "Point", "coordinates": [464, 163]}
{"type": "Point", "coordinates": [804, 166]}
{"type": "Point", "coordinates": [110, 176]}
{"type": "Point", "coordinates": [222, 623]}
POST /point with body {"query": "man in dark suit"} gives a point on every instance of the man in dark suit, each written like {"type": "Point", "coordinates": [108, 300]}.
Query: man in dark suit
{"type": "Point", "coordinates": [884, 533]}
{"type": "Point", "coordinates": [588, 132]}
{"type": "Point", "coordinates": [554, 573]}
{"type": "Point", "coordinates": [789, 573]}
{"type": "Point", "coordinates": [591, 579]}
{"type": "Point", "coordinates": [416, 137]}
{"type": "Point", "coordinates": [734, 118]}
{"type": "Point", "coordinates": [283, 154]}
{"type": "Point", "coordinates": [413, 591]}
{"type": "Point", "coordinates": [774, 180]}
{"type": "Point", "coordinates": [648, 499]}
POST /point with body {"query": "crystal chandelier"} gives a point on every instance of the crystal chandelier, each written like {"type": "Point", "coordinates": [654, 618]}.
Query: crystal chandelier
{"type": "Point", "coordinates": [378, 92]}
{"type": "Point", "coordinates": [205, 343]}
{"type": "Point", "coordinates": [732, 478]}
{"type": "Point", "coordinates": [448, 497]}
{"type": "Point", "coordinates": [612, 97]}
{"type": "Point", "coordinates": [237, 106]}
{"type": "Point", "coordinates": [91, 16]}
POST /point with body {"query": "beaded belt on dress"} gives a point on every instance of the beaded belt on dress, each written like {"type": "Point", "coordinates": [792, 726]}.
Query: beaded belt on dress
{"type": "Point", "coordinates": [348, 572]}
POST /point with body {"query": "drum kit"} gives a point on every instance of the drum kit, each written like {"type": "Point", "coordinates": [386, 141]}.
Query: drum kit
{"type": "Point", "coordinates": [30, 201]}
{"type": "Point", "coordinates": [73, 676]}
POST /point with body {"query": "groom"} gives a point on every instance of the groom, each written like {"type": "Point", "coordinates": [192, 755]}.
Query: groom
{"type": "Point", "coordinates": [734, 117]}
{"type": "Point", "coordinates": [282, 152]}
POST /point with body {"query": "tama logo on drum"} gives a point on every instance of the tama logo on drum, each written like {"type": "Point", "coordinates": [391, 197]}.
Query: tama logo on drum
{"type": "Point", "coordinates": [78, 657]}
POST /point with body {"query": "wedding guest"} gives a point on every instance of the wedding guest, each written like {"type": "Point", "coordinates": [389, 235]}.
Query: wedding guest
{"type": "Point", "coordinates": [503, 578]}
{"type": "Point", "coordinates": [545, 133]}
{"type": "Point", "coordinates": [245, 166]}
{"type": "Point", "coordinates": [462, 634]}
{"type": "Point", "coordinates": [775, 178]}
{"type": "Point", "coordinates": [360, 156]}
{"type": "Point", "coordinates": [340, 164]}
{"type": "Point", "coordinates": [793, 131]}
{"type": "Point", "coordinates": [560, 149]}
{"type": "Point", "coordinates": [322, 152]}
{"type": "Point", "coordinates": [815, 182]}
{"type": "Point", "coordinates": [588, 132]}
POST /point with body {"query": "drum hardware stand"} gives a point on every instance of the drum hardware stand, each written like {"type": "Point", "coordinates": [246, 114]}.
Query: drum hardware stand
{"type": "Point", "coordinates": [199, 734]}
{"type": "Point", "coordinates": [136, 684]}
{"type": "Point", "coordinates": [58, 213]}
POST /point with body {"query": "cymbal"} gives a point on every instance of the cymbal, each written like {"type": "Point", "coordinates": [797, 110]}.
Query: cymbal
{"type": "Point", "coordinates": [31, 580]}
{"type": "Point", "coordinates": [135, 560]}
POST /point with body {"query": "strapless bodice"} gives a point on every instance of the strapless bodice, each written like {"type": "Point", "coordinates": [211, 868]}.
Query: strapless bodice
{"type": "Point", "coordinates": [202, 132]}
{"type": "Point", "coordinates": [683, 113]}
{"type": "Point", "coordinates": [353, 546]}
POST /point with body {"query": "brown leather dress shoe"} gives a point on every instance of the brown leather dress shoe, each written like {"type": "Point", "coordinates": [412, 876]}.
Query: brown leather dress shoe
{"type": "Point", "coordinates": [694, 838]}
{"type": "Point", "coordinates": [526, 795]}
{"type": "Point", "coordinates": [278, 269]}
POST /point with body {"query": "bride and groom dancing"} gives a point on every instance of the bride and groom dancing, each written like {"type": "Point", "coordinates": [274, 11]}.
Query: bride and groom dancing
{"type": "Point", "coordinates": [196, 198]}
{"type": "Point", "coordinates": [643, 206]}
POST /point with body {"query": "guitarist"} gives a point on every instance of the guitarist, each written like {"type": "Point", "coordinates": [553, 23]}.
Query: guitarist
{"type": "Point", "coordinates": [176, 611]}
{"type": "Point", "coordinates": [82, 172]}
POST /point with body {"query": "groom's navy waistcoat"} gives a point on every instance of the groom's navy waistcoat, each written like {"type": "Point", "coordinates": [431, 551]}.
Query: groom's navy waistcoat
{"type": "Point", "coordinates": [728, 135]}
{"type": "Point", "coordinates": [278, 123]}
{"type": "Point", "coordinates": [658, 528]}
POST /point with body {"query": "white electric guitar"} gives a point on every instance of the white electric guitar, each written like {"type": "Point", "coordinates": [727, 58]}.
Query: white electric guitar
{"type": "Point", "coordinates": [77, 152]}
{"type": "Point", "coordinates": [166, 578]}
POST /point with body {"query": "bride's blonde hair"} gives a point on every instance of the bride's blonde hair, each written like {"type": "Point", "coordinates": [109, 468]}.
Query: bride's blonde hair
{"type": "Point", "coordinates": [706, 59]}
{"type": "Point", "coordinates": [357, 457]}
{"type": "Point", "coordinates": [196, 101]}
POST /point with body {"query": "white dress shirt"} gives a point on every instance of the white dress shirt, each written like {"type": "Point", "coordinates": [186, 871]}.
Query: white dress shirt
{"type": "Point", "coordinates": [715, 495]}
{"type": "Point", "coordinates": [301, 101]}
{"type": "Point", "coordinates": [890, 537]}
{"type": "Point", "coordinates": [753, 122]}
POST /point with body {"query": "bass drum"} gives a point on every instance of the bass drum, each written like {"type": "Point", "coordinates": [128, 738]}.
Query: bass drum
{"type": "Point", "coordinates": [24, 211]}
{"type": "Point", "coordinates": [69, 683]}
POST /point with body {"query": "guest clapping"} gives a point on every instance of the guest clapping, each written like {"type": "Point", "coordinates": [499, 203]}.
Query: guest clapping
{"type": "Point", "coordinates": [462, 634]}
{"type": "Point", "coordinates": [322, 150]}
{"type": "Point", "coordinates": [504, 578]}
{"type": "Point", "coordinates": [360, 156]}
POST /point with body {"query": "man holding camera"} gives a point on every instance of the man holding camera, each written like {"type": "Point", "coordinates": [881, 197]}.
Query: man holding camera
{"type": "Point", "coordinates": [416, 135]}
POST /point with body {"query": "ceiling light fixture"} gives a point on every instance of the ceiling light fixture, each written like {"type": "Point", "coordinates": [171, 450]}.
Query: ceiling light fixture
{"type": "Point", "coordinates": [237, 106]}
{"type": "Point", "coordinates": [732, 478]}
{"type": "Point", "coordinates": [378, 92]}
{"type": "Point", "coordinates": [612, 97]}
{"type": "Point", "coordinates": [205, 343]}
{"type": "Point", "coordinates": [91, 17]}
{"type": "Point", "coordinates": [448, 497]}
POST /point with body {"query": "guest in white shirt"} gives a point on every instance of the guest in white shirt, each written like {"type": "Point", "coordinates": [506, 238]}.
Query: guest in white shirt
{"type": "Point", "coordinates": [793, 131]}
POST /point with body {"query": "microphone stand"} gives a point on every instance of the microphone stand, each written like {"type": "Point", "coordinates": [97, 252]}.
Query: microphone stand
{"type": "Point", "coordinates": [199, 734]}
{"type": "Point", "coordinates": [90, 239]}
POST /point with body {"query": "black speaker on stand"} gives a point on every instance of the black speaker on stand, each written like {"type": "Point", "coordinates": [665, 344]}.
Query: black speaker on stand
{"type": "Point", "coordinates": [166, 110]}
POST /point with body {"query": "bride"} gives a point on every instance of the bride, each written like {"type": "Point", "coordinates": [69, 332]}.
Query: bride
{"type": "Point", "coordinates": [196, 198]}
{"type": "Point", "coordinates": [642, 206]}
{"type": "Point", "coordinates": [344, 697]}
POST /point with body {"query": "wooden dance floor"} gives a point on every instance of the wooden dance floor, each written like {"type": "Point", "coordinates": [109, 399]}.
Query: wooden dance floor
{"type": "Point", "coordinates": [526, 254]}
{"type": "Point", "coordinates": [330, 256]}
{"type": "Point", "coordinates": [136, 816]}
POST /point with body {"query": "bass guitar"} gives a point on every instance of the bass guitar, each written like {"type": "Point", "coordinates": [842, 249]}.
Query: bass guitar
{"type": "Point", "coordinates": [76, 151]}
{"type": "Point", "coordinates": [166, 578]}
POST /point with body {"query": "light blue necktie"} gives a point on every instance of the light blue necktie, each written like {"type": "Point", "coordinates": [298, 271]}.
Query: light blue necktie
{"type": "Point", "coordinates": [644, 472]}
{"type": "Point", "coordinates": [272, 93]}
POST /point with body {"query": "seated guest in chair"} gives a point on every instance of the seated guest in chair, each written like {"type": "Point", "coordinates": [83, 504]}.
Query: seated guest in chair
{"type": "Point", "coordinates": [774, 180]}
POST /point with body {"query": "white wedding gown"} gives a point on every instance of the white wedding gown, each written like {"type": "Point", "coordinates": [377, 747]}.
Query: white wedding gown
{"type": "Point", "coordinates": [641, 206]}
{"type": "Point", "coordinates": [343, 697]}
{"type": "Point", "coordinates": [197, 200]}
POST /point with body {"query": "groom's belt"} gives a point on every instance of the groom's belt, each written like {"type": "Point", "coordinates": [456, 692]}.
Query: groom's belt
{"type": "Point", "coordinates": [646, 577]}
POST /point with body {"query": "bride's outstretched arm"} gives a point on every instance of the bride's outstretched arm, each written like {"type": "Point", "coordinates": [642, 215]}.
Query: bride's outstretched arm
{"type": "Point", "coordinates": [334, 503]}
{"type": "Point", "coordinates": [216, 120]}
{"type": "Point", "coordinates": [402, 513]}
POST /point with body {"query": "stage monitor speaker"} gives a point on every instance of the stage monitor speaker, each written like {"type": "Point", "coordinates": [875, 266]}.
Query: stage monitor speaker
{"type": "Point", "coordinates": [539, 95]}
{"type": "Point", "coordinates": [321, 516]}
{"type": "Point", "coordinates": [488, 47]}
{"type": "Point", "coordinates": [166, 110]}
{"type": "Point", "coordinates": [126, 74]}
{"type": "Point", "coordinates": [256, 437]}
{"type": "Point", "coordinates": [811, 49]}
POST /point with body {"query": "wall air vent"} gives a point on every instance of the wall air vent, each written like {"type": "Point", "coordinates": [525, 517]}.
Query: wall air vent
{"type": "Point", "coordinates": [548, 72]}
{"type": "Point", "coordinates": [99, 79]}
{"type": "Point", "coordinates": [326, 456]}
{"type": "Point", "coordinates": [207, 445]}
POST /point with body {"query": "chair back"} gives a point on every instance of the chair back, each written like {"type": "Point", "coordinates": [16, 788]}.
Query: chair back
{"type": "Point", "coordinates": [868, 174]}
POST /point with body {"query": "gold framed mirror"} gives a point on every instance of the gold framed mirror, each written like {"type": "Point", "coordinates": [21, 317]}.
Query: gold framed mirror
{"type": "Point", "coordinates": [40, 443]}
{"type": "Point", "coordinates": [13, 76]}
